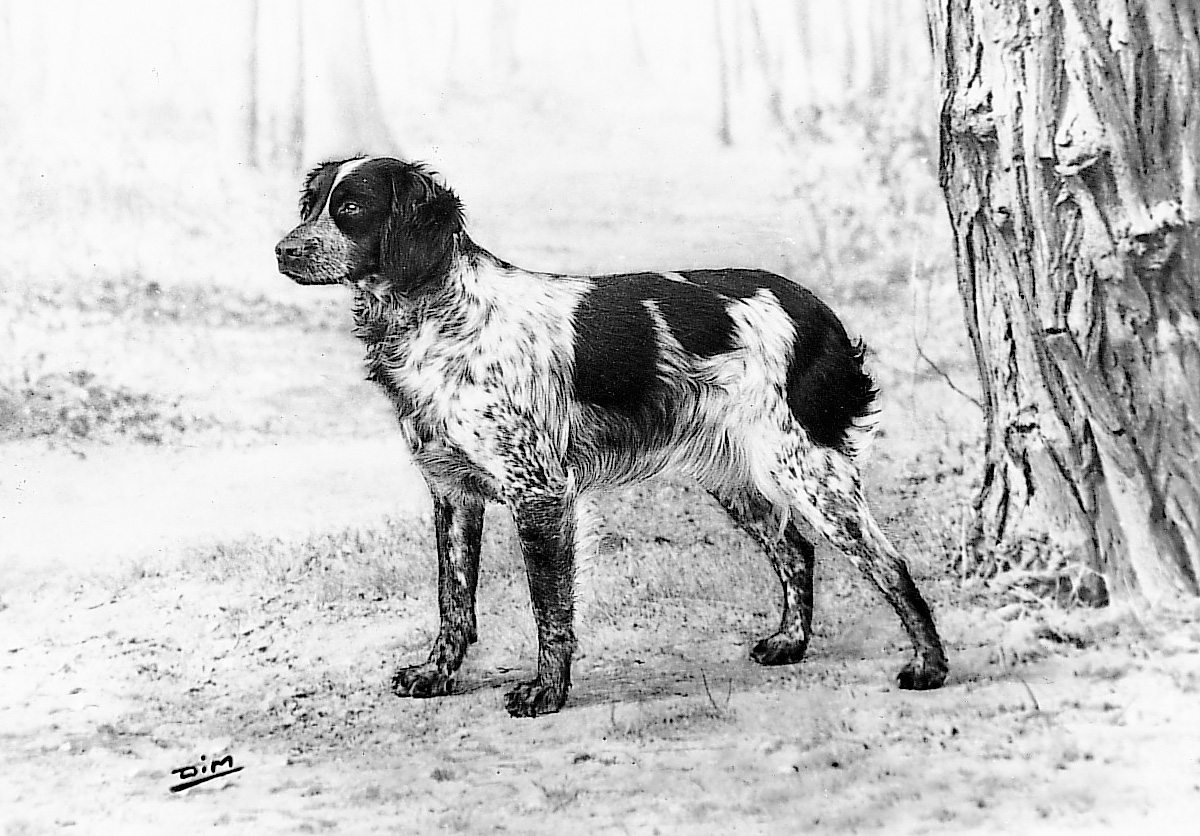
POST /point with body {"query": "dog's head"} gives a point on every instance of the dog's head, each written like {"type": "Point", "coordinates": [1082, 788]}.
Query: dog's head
{"type": "Point", "coordinates": [371, 216]}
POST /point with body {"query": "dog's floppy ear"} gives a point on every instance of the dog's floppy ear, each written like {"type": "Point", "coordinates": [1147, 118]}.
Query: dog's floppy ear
{"type": "Point", "coordinates": [417, 240]}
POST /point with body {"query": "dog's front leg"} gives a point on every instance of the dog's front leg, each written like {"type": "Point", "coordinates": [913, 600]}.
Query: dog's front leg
{"type": "Point", "coordinates": [458, 526]}
{"type": "Point", "coordinates": [546, 529]}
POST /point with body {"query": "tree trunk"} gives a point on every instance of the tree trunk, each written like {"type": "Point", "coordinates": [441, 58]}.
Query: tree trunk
{"type": "Point", "coordinates": [296, 113]}
{"type": "Point", "coordinates": [504, 29]}
{"type": "Point", "coordinates": [1070, 142]}
{"type": "Point", "coordinates": [724, 74]}
{"type": "Point", "coordinates": [275, 83]}
{"type": "Point", "coordinates": [641, 58]}
{"type": "Point", "coordinates": [343, 114]}
{"type": "Point", "coordinates": [805, 63]}
{"type": "Point", "coordinates": [252, 91]}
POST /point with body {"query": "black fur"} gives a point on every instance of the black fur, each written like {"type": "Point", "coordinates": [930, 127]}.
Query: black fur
{"type": "Point", "coordinates": [316, 189]}
{"type": "Point", "coordinates": [417, 238]}
{"type": "Point", "coordinates": [615, 351]}
{"type": "Point", "coordinates": [827, 388]}
{"type": "Point", "coordinates": [695, 314]}
{"type": "Point", "coordinates": [399, 222]}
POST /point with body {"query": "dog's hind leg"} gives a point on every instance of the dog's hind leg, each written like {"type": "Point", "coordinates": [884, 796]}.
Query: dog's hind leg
{"type": "Point", "coordinates": [793, 557]}
{"type": "Point", "coordinates": [824, 487]}
{"type": "Point", "coordinates": [458, 528]}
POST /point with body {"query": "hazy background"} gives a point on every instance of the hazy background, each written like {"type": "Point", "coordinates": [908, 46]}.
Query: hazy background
{"type": "Point", "coordinates": [131, 125]}
{"type": "Point", "coordinates": [153, 154]}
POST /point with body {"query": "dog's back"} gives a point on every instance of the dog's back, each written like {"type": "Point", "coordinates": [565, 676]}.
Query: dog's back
{"type": "Point", "coordinates": [672, 370]}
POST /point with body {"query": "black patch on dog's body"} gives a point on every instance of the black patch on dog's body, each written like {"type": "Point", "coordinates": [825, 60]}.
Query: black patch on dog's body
{"type": "Point", "coordinates": [696, 316]}
{"type": "Point", "coordinates": [827, 389]}
{"type": "Point", "coordinates": [616, 354]}
{"type": "Point", "coordinates": [618, 377]}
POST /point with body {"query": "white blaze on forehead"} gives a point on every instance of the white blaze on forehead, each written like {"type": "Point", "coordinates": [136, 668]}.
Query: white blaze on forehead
{"type": "Point", "coordinates": [344, 169]}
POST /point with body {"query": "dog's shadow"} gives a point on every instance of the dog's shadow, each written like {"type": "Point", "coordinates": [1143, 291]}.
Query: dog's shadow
{"type": "Point", "coordinates": [635, 682]}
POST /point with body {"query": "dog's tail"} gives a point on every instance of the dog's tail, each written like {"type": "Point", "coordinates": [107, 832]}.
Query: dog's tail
{"type": "Point", "coordinates": [833, 397]}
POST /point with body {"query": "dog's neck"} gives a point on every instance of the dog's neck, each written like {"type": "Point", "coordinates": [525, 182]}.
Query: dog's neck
{"type": "Point", "coordinates": [450, 309]}
{"type": "Point", "coordinates": [382, 305]}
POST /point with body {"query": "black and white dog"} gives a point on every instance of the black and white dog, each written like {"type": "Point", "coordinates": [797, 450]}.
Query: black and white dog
{"type": "Point", "coordinates": [533, 388]}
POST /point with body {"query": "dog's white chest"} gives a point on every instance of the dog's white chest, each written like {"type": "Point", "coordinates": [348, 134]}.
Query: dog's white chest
{"type": "Point", "coordinates": [471, 372]}
{"type": "Point", "coordinates": [469, 387]}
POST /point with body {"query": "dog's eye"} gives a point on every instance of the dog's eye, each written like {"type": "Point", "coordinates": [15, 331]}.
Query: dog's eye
{"type": "Point", "coordinates": [351, 208]}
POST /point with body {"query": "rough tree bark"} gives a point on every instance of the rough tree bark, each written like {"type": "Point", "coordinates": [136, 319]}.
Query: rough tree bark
{"type": "Point", "coordinates": [725, 72]}
{"type": "Point", "coordinates": [1070, 144]}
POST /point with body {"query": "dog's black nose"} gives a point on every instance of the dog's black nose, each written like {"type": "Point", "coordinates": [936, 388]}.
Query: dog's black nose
{"type": "Point", "coordinates": [291, 249]}
{"type": "Point", "coordinates": [293, 255]}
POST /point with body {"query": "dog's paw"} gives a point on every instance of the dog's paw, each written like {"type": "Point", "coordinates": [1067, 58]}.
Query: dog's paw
{"type": "Point", "coordinates": [532, 699]}
{"type": "Point", "coordinates": [779, 649]}
{"type": "Point", "coordinates": [922, 675]}
{"type": "Point", "coordinates": [422, 681]}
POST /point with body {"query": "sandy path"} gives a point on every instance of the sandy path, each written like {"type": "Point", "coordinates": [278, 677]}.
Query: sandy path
{"type": "Point", "coordinates": [119, 504]}
{"type": "Point", "coordinates": [107, 692]}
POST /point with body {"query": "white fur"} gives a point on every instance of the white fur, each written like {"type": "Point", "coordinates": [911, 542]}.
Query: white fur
{"type": "Point", "coordinates": [511, 336]}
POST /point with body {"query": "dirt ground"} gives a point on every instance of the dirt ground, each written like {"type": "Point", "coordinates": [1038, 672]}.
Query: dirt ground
{"type": "Point", "coordinates": [256, 608]}
{"type": "Point", "coordinates": [212, 545]}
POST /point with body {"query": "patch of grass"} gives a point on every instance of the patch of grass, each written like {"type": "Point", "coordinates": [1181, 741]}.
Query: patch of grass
{"type": "Point", "coordinates": [77, 406]}
{"type": "Point", "coordinates": [1187, 681]}
{"type": "Point", "coordinates": [560, 797]}
{"type": "Point", "coordinates": [132, 297]}
{"type": "Point", "coordinates": [666, 542]}
{"type": "Point", "coordinates": [666, 719]}
{"type": "Point", "coordinates": [367, 563]}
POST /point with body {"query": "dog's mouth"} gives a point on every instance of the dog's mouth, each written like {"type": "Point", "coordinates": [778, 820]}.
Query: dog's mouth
{"type": "Point", "coordinates": [295, 269]}
{"type": "Point", "coordinates": [299, 258]}
{"type": "Point", "coordinates": [302, 271]}
{"type": "Point", "coordinates": [308, 261]}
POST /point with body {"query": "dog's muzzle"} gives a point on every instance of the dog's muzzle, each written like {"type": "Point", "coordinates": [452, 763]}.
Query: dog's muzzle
{"type": "Point", "coordinates": [294, 257]}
